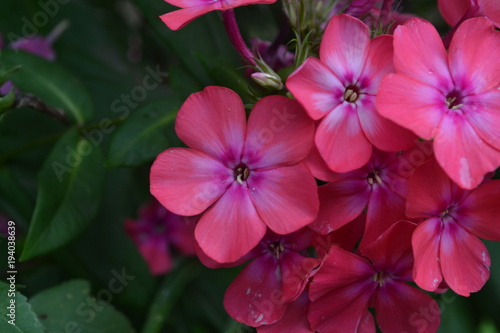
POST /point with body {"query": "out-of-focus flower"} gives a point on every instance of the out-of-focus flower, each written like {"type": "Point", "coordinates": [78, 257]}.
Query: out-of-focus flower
{"type": "Point", "coordinates": [340, 88]}
{"type": "Point", "coordinates": [455, 11]}
{"type": "Point", "coordinates": [242, 177]}
{"type": "Point", "coordinates": [451, 96]}
{"type": "Point", "coordinates": [156, 232]}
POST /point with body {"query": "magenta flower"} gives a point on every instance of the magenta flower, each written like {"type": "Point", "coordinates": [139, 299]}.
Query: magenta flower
{"type": "Point", "coordinates": [379, 187]}
{"type": "Point", "coordinates": [242, 177]}
{"type": "Point", "coordinates": [347, 284]}
{"type": "Point", "coordinates": [452, 97]}
{"type": "Point", "coordinates": [446, 244]}
{"type": "Point", "coordinates": [192, 9]}
{"type": "Point", "coordinates": [277, 276]}
{"type": "Point", "coordinates": [156, 232]}
{"type": "Point", "coordinates": [340, 90]}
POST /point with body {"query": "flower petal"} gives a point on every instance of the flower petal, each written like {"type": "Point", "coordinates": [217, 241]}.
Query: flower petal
{"type": "Point", "coordinates": [464, 156]}
{"type": "Point", "coordinates": [378, 63]}
{"type": "Point", "coordinates": [380, 131]}
{"type": "Point", "coordinates": [213, 121]}
{"type": "Point", "coordinates": [187, 181]}
{"type": "Point", "coordinates": [294, 320]}
{"type": "Point", "coordinates": [286, 198]}
{"type": "Point", "coordinates": [401, 308]}
{"type": "Point", "coordinates": [465, 261]}
{"type": "Point", "coordinates": [419, 53]}
{"type": "Point", "coordinates": [479, 212]}
{"type": "Point", "coordinates": [473, 56]}
{"type": "Point", "coordinates": [316, 87]}
{"type": "Point", "coordinates": [295, 272]}
{"type": "Point", "coordinates": [491, 8]}
{"type": "Point", "coordinates": [340, 292]}
{"type": "Point", "coordinates": [231, 227]}
{"type": "Point", "coordinates": [482, 114]}
{"type": "Point", "coordinates": [341, 141]}
{"type": "Point", "coordinates": [426, 243]}
{"type": "Point", "coordinates": [340, 203]}
{"type": "Point", "coordinates": [430, 191]}
{"type": "Point", "coordinates": [344, 47]}
{"type": "Point", "coordinates": [453, 10]}
{"type": "Point", "coordinates": [279, 133]}
{"type": "Point", "coordinates": [178, 19]}
{"type": "Point", "coordinates": [254, 297]}
{"type": "Point", "coordinates": [411, 104]}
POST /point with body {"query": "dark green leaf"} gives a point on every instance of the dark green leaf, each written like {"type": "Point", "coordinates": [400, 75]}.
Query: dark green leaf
{"type": "Point", "coordinates": [6, 73]}
{"type": "Point", "coordinates": [143, 135]}
{"type": "Point", "coordinates": [7, 101]}
{"type": "Point", "coordinates": [51, 82]}
{"type": "Point", "coordinates": [69, 308]}
{"type": "Point", "coordinates": [21, 317]}
{"type": "Point", "coordinates": [68, 196]}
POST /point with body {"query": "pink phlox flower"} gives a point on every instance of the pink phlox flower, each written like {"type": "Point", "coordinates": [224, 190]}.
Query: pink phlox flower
{"type": "Point", "coordinates": [156, 232]}
{"type": "Point", "coordinates": [347, 284]}
{"type": "Point", "coordinates": [446, 243]}
{"type": "Point", "coordinates": [241, 177]}
{"type": "Point", "coordinates": [380, 187]}
{"type": "Point", "coordinates": [339, 89]}
{"type": "Point", "coordinates": [277, 276]}
{"type": "Point", "coordinates": [192, 9]}
{"type": "Point", "coordinates": [452, 96]}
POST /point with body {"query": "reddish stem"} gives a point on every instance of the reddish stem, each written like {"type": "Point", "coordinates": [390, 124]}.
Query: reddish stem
{"type": "Point", "coordinates": [234, 35]}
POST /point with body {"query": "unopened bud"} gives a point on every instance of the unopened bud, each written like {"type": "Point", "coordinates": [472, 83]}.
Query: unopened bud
{"type": "Point", "coordinates": [268, 81]}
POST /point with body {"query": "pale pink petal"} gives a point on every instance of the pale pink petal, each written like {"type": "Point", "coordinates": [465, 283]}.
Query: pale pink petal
{"type": "Point", "coordinates": [482, 113]}
{"type": "Point", "coordinates": [213, 121]}
{"type": "Point", "coordinates": [231, 227]}
{"type": "Point", "coordinates": [411, 104]}
{"type": "Point", "coordinates": [341, 141]}
{"type": "Point", "coordinates": [453, 10]}
{"type": "Point", "coordinates": [340, 203]}
{"type": "Point", "coordinates": [187, 181]}
{"type": "Point", "coordinates": [426, 246]}
{"type": "Point", "coordinates": [178, 19]}
{"type": "Point", "coordinates": [419, 53]}
{"type": "Point", "coordinates": [430, 191]}
{"type": "Point", "coordinates": [491, 8]}
{"type": "Point", "coordinates": [401, 308]}
{"type": "Point", "coordinates": [294, 320]}
{"type": "Point", "coordinates": [473, 56]}
{"type": "Point", "coordinates": [279, 133]}
{"type": "Point", "coordinates": [380, 131]}
{"type": "Point", "coordinates": [254, 297]}
{"type": "Point", "coordinates": [316, 87]}
{"type": "Point", "coordinates": [464, 156]}
{"type": "Point", "coordinates": [465, 261]}
{"type": "Point", "coordinates": [344, 47]}
{"type": "Point", "coordinates": [286, 198]}
{"type": "Point", "coordinates": [378, 64]}
{"type": "Point", "coordinates": [480, 211]}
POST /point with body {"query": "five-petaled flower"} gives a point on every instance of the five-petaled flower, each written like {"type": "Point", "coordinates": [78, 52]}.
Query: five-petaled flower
{"type": "Point", "coordinates": [242, 177]}
{"type": "Point", "coordinates": [452, 96]}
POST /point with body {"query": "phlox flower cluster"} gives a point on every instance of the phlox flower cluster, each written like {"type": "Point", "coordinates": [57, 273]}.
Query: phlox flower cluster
{"type": "Point", "coordinates": [358, 190]}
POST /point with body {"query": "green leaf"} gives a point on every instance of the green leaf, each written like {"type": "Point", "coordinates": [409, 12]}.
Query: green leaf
{"type": "Point", "coordinates": [6, 73]}
{"type": "Point", "coordinates": [51, 82]}
{"type": "Point", "coordinates": [68, 197]}
{"type": "Point", "coordinates": [7, 101]}
{"type": "Point", "coordinates": [22, 319]}
{"type": "Point", "coordinates": [143, 135]}
{"type": "Point", "coordinates": [69, 308]}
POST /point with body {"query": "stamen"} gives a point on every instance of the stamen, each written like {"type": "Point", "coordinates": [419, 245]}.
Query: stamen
{"type": "Point", "coordinates": [350, 95]}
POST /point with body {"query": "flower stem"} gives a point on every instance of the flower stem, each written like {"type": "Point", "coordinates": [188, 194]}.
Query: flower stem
{"type": "Point", "coordinates": [233, 32]}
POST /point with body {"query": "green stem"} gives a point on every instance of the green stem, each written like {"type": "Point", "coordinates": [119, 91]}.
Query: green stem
{"type": "Point", "coordinates": [169, 292]}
